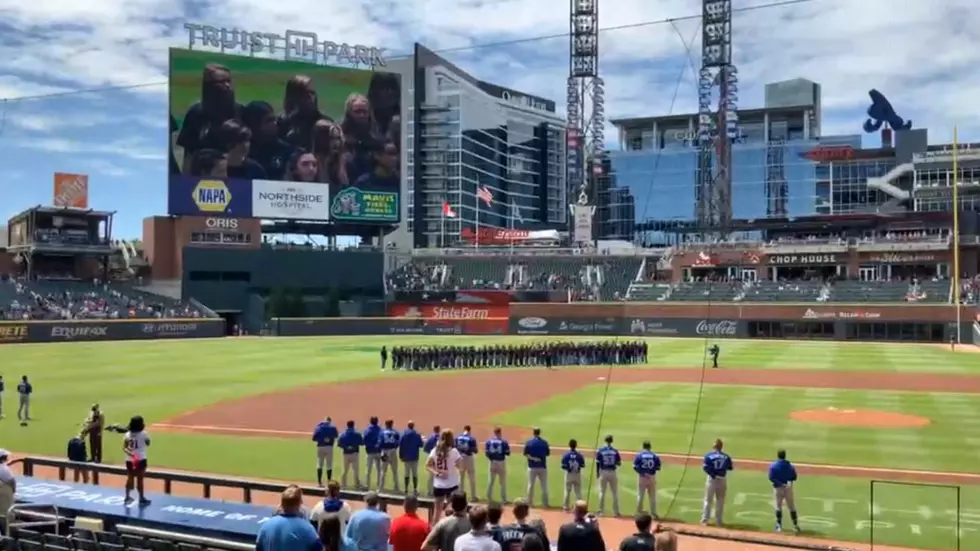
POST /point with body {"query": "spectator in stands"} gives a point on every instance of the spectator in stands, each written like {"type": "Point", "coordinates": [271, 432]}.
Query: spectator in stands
{"type": "Point", "coordinates": [532, 542]}
{"type": "Point", "coordinates": [301, 111]}
{"type": "Point", "coordinates": [94, 426]}
{"type": "Point", "coordinates": [331, 535]}
{"type": "Point", "coordinates": [78, 453]}
{"type": "Point", "coordinates": [289, 529]}
{"type": "Point", "coordinates": [444, 533]}
{"type": "Point", "coordinates": [523, 525]}
{"type": "Point", "coordinates": [369, 528]}
{"type": "Point", "coordinates": [642, 540]}
{"type": "Point", "coordinates": [478, 538]}
{"type": "Point", "coordinates": [360, 136]}
{"type": "Point", "coordinates": [8, 487]}
{"type": "Point", "coordinates": [384, 175]}
{"type": "Point", "coordinates": [494, 513]}
{"type": "Point", "coordinates": [267, 148]}
{"type": "Point", "coordinates": [582, 533]}
{"type": "Point", "coordinates": [209, 163]}
{"type": "Point", "coordinates": [236, 139]}
{"type": "Point", "coordinates": [302, 167]}
{"type": "Point", "coordinates": [331, 506]}
{"type": "Point", "coordinates": [408, 532]}
{"type": "Point", "coordinates": [216, 106]}
{"type": "Point", "coordinates": [328, 146]}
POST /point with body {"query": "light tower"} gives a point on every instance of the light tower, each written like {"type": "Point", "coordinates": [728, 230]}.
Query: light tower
{"type": "Point", "coordinates": [586, 116]}
{"type": "Point", "coordinates": [717, 128]}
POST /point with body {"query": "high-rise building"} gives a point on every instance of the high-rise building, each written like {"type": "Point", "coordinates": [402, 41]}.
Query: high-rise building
{"type": "Point", "coordinates": [464, 135]}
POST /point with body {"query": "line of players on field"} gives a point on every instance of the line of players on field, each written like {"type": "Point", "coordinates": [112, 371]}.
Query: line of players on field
{"type": "Point", "coordinates": [546, 354]}
{"type": "Point", "coordinates": [388, 447]}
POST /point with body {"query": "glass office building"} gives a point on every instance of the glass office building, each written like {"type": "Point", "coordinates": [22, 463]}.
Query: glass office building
{"type": "Point", "coordinates": [464, 134]}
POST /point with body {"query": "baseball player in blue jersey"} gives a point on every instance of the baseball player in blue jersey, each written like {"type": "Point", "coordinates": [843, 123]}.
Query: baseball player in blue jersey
{"type": "Point", "coordinates": [536, 450]}
{"type": "Point", "coordinates": [389, 454]}
{"type": "Point", "coordinates": [717, 465]}
{"type": "Point", "coordinates": [468, 447]}
{"type": "Point", "coordinates": [408, 452]}
{"type": "Point", "coordinates": [430, 444]}
{"type": "Point", "coordinates": [24, 391]}
{"type": "Point", "coordinates": [372, 447]}
{"type": "Point", "coordinates": [646, 464]}
{"type": "Point", "coordinates": [782, 474]}
{"type": "Point", "coordinates": [572, 462]}
{"type": "Point", "coordinates": [497, 451]}
{"type": "Point", "coordinates": [607, 462]}
{"type": "Point", "coordinates": [350, 443]}
{"type": "Point", "coordinates": [324, 434]}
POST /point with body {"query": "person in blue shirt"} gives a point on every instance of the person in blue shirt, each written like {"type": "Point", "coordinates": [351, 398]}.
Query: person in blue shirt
{"type": "Point", "coordinates": [647, 465]}
{"type": "Point", "coordinates": [430, 444]}
{"type": "Point", "coordinates": [782, 474]}
{"type": "Point", "coordinates": [572, 462]}
{"type": "Point", "coordinates": [607, 462]}
{"type": "Point", "coordinates": [717, 464]}
{"type": "Point", "coordinates": [289, 529]}
{"type": "Point", "coordinates": [324, 435]}
{"type": "Point", "coordinates": [369, 528]}
{"type": "Point", "coordinates": [497, 450]}
{"type": "Point", "coordinates": [408, 452]}
{"type": "Point", "coordinates": [372, 447]}
{"type": "Point", "coordinates": [468, 447]}
{"type": "Point", "coordinates": [350, 443]}
{"type": "Point", "coordinates": [536, 450]}
{"type": "Point", "coordinates": [24, 391]}
{"type": "Point", "coordinates": [389, 454]}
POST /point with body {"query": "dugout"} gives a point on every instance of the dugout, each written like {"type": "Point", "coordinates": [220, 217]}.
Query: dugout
{"type": "Point", "coordinates": [60, 243]}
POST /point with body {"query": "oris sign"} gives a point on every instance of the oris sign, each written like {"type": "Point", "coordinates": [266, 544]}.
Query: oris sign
{"type": "Point", "coordinates": [221, 223]}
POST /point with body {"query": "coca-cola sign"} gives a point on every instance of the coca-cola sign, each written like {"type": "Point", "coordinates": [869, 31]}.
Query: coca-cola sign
{"type": "Point", "coordinates": [719, 328]}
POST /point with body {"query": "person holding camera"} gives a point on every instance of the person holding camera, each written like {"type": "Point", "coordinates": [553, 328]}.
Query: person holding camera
{"type": "Point", "coordinates": [582, 533]}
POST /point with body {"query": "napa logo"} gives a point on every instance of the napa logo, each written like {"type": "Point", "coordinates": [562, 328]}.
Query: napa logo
{"type": "Point", "coordinates": [211, 196]}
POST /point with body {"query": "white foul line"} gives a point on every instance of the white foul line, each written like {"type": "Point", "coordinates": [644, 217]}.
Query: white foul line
{"type": "Point", "coordinates": [756, 462]}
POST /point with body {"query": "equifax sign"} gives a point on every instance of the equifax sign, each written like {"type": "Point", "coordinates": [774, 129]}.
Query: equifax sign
{"type": "Point", "coordinates": [221, 223]}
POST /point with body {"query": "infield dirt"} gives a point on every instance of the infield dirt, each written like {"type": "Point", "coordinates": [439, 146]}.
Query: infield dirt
{"type": "Point", "coordinates": [454, 398]}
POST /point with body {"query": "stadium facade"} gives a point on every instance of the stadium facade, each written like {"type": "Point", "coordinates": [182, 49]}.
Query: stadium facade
{"type": "Point", "coordinates": [464, 134]}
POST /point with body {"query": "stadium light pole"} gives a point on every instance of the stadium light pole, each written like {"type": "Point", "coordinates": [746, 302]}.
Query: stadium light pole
{"type": "Point", "coordinates": [956, 234]}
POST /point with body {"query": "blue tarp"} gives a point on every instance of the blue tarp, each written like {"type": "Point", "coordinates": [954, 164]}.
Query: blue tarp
{"type": "Point", "coordinates": [214, 518]}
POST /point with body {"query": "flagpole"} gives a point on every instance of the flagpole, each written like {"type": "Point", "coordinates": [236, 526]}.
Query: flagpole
{"type": "Point", "coordinates": [442, 230]}
{"type": "Point", "coordinates": [956, 234]}
{"type": "Point", "coordinates": [511, 227]}
{"type": "Point", "coordinates": [477, 196]}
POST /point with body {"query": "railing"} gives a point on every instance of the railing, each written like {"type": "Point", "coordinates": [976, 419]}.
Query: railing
{"type": "Point", "coordinates": [207, 483]}
{"type": "Point", "coordinates": [535, 251]}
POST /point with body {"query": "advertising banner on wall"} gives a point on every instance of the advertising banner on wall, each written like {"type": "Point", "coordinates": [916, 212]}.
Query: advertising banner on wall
{"type": "Point", "coordinates": [191, 196]}
{"type": "Point", "coordinates": [70, 190]}
{"type": "Point", "coordinates": [472, 318]}
{"type": "Point", "coordinates": [532, 325]}
{"type": "Point", "coordinates": [272, 199]}
{"type": "Point", "coordinates": [383, 326]}
{"type": "Point", "coordinates": [76, 331]}
{"type": "Point", "coordinates": [708, 328]}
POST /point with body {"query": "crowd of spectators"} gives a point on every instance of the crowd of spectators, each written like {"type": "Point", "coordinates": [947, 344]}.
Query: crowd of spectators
{"type": "Point", "coordinates": [332, 526]}
{"type": "Point", "coordinates": [970, 290]}
{"type": "Point", "coordinates": [53, 299]}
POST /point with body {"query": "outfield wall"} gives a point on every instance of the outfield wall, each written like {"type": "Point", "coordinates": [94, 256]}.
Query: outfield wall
{"type": "Point", "coordinates": [108, 330]}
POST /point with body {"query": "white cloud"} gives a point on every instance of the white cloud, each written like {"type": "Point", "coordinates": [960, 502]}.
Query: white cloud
{"type": "Point", "coordinates": [921, 54]}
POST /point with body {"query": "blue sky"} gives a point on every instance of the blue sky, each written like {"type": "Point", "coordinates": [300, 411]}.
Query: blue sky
{"type": "Point", "coordinates": [83, 84]}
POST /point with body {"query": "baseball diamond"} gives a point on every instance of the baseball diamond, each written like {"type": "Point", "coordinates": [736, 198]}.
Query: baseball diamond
{"type": "Point", "coordinates": [247, 407]}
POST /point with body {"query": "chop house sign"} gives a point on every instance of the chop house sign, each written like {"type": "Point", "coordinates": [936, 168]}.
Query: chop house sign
{"type": "Point", "coordinates": [802, 259]}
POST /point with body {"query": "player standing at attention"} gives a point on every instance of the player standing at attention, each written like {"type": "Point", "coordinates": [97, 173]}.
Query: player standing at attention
{"type": "Point", "coordinates": [384, 357]}
{"type": "Point", "coordinates": [782, 474]}
{"type": "Point", "coordinates": [607, 462]}
{"type": "Point", "coordinates": [497, 450]}
{"type": "Point", "coordinates": [443, 464]}
{"type": "Point", "coordinates": [468, 447]}
{"type": "Point", "coordinates": [646, 464]}
{"type": "Point", "coordinates": [372, 447]}
{"type": "Point", "coordinates": [536, 450]}
{"type": "Point", "coordinates": [389, 454]}
{"type": "Point", "coordinates": [408, 452]}
{"type": "Point", "coordinates": [430, 444]}
{"type": "Point", "coordinates": [135, 443]}
{"type": "Point", "coordinates": [1, 396]}
{"type": "Point", "coordinates": [350, 443]}
{"type": "Point", "coordinates": [572, 462]}
{"type": "Point", "coordinates": [717, 464]}
{"type": "Point", "coordinates": [24, 391]}
{"type": "Point", "coordinates": [324, 434]}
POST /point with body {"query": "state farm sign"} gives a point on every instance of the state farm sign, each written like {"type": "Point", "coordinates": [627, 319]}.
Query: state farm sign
{"type": "Point", "coordinates": [460, 313]}
{"type": "Point", "coordinates": [450, 311]}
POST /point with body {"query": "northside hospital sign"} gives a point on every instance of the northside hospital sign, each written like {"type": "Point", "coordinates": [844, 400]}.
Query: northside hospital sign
{"type": "Point", "coordinates": [296, 45]}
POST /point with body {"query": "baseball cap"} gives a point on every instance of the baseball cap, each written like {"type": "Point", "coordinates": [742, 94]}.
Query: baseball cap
{"type": "Point", "coordinates": [4, 454]}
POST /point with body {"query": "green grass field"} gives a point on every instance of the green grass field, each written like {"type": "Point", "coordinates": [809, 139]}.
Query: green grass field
{"type": "Point", "coordinates": [165, 378]}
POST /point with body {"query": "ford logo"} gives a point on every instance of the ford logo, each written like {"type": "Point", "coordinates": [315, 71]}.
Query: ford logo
{"type": "Point", "coordinates": [532, 323]}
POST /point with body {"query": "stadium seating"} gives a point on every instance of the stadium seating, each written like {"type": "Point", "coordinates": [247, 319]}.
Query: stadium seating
{"type": "Point", "coordinates": [786, 291]}
{"type": "Point", "coordinates": [21, 539]}
{"type": "Point", "coordinates": [701, 291]}
{"type": "Point", "coordinates": [68, 299]}
{"type": "Point", "coordinates": [886, 291]}
{"type": "Point", "coordinates": [649, 292]}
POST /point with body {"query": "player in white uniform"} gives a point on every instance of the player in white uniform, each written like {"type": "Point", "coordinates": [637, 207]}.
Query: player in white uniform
{"type": "Point", "coordinates": [135, 443]}
{"type": "Point", "coordinates": [443, 464]}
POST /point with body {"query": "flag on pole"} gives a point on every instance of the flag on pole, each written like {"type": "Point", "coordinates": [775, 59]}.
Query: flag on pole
{"type": "Point", "coordinates": [447, 210]}
{"type": "Point", "coordinates": [485, 195]}
{"type": "Point", "coordinates": [515, 212]}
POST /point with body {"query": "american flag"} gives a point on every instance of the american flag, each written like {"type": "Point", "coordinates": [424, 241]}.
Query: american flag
{"type": "Point", "coordinates": [485, 195]}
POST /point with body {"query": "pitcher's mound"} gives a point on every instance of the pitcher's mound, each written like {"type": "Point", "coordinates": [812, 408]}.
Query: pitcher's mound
{"type": "Point", "coordinates": [866, 418]}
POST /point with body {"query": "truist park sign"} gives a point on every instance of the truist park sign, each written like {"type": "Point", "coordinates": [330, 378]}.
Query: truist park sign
{"type": "Point", "coordinates": [295, 45]}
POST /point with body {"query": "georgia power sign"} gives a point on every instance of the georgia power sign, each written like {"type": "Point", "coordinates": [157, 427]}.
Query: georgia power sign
{"type": "Point", "coordinates": [273, 199]}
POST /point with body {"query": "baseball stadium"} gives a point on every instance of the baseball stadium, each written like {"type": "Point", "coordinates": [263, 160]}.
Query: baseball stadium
{"type": "Point", "coordinates": [331, 260]}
